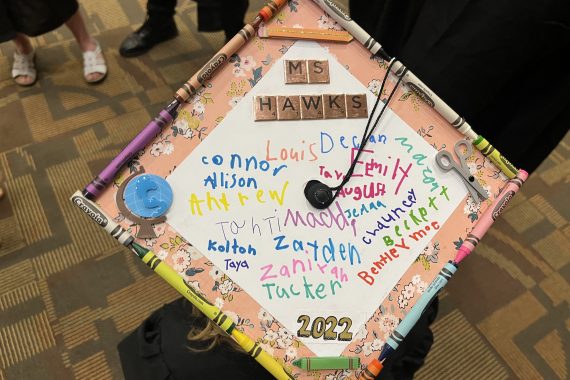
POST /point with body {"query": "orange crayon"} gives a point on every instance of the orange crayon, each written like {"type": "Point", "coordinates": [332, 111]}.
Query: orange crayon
{"type": "Point", "coordinates": [372, 370]}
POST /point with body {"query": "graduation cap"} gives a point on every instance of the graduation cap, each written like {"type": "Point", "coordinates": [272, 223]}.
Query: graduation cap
{"type": "Point", "coordinates": [306, 199]}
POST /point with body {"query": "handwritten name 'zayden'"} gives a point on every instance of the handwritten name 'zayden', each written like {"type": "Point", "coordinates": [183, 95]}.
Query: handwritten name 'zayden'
{"type": "Point", "coordinates": [328, 252]}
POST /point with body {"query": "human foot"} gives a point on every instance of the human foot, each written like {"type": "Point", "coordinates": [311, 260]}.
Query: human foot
{"type": "Point", "coordinates": [94, 65]}
{"type": "Point", "coordinates": [23, 70]}
{"type": "Point", "coordinates": [152, 32]}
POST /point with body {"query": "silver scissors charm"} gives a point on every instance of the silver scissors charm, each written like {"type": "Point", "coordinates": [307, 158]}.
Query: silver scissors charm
{"type": "Point", "coordinates": [445, 161]}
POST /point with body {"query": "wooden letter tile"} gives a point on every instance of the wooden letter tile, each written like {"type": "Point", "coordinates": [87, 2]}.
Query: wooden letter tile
{"type": "Point", "coordinates": [318, 71]}
{"type": "Point", "coordinates": [295, 71]}
{"type": "Point", "coordinates": [311, 107]}
{"type": "Point", "coordinates": [265, 108]}
{"type": "Point", "coordinates": [356, 106]}
{"type": "Point", "coordinates": [288, 107]}
{"type": "Point", "coordinates": [334, 105]}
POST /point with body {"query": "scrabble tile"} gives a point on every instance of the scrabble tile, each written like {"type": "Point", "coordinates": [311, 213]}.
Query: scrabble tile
{"type": "Point", "coordinates": [265, 108]}
{"type": "Point", "coordinates": [311, 107]}
{"type": "Point", "coordinates": [356, 106]}
{"type": "Point", "coordinates": [318, 71]}
{"type": "Point", "coordinates": [334, 106]}
{"type": "Point", "coordinates": [295, 71]}
{"type": "Point", "coordinates": [288, 107]}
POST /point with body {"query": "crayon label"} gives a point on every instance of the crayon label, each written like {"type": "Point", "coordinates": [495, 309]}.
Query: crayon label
{"type": "Point", "coordinates": [210, 67]}
{"type": "Point", "coordinates": [421, 93]}
{"type": "Point", "coordinates": [502, 204]}
{"type": "Point", "coordinates": [508, 165]}
{"type": "Point", "coordinates": [93, 212]}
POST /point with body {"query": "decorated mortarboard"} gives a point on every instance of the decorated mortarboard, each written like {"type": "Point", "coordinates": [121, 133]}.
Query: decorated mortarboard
{"type": "Point", "coordinates": [225, 193]}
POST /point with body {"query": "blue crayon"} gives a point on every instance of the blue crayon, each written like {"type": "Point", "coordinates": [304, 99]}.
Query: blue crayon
{"type": "Point", "coordinates": [418, 309]}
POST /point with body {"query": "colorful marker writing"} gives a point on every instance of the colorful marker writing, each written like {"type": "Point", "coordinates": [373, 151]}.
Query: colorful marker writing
{"type": "Point", "coordinates": [212, 312]}
{"type": "Point", "coordinates": [473, 238]}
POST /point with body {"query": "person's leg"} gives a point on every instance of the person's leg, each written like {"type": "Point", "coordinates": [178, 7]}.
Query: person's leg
{"type": "Point", "coordinates": [77, 27]}
{"type": "Point", "coordinates": [86, 43]}
{"type": "Point", "coordinates": [23, 44]}
{"type": "Point", "coordinates": [232, 17]}
{"type": "Point", "coordinates": [23, 49]}
{"type": "Point", "coordinates": [159, 26]}
{"type": "Point", "coordinates": [161, 8]}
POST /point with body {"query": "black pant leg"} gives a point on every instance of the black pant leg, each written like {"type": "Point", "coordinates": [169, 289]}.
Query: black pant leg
{"type": "Point", "coordinates": [232, 17]}
{"type": "Point", "coordinates": [164, 8]}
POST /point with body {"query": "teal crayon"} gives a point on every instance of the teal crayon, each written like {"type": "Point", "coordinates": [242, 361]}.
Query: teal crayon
{"type": "Point", "coordinates": [327, 362]}
{"type": "Point", "coordinates": [485, 222]}
{"type": "Point", "coordinates": [418, 309]}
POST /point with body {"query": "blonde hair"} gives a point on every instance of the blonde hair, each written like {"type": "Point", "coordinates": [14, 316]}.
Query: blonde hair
{"type": "Point", "coordinates": [205, 332]}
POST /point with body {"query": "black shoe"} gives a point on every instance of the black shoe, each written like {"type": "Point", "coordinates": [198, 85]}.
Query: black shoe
{"type": "Point", "coordinates": [148, 35]}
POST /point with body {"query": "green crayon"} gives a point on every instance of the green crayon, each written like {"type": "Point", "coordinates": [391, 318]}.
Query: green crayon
{"type": "Point", "coordinates": [327, 362]}
{"type": "Point", "coordinates": [495, 156]}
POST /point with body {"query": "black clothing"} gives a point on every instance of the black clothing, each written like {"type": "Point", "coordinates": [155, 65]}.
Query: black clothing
{"type": "Point", "coordinates": [158, 350]}
{"type": "Point", "coordinates": [213, 15]}
{"type": "Point", "coordinates": [411, 354]}
{"type": "Point", "coordinates": [33, 17]}
{"type": "Point", "coordinates": [154, 31]}
{"type": "Point", "coordinates": [159, 26]}
{"type": "Point", "coordinates": [498, 63]}
{"type": "Point", "coordinates": [221, 14]}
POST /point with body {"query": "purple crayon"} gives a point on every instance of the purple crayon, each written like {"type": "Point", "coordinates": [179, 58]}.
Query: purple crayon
{"type": "Point", "coordinates": [96, 187]}
{"type": "Point", "coordinates": [98, 184]}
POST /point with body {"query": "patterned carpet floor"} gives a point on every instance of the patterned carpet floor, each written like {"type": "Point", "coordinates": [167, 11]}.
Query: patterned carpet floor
{"type": "Point", "coordinates": [66, 303]}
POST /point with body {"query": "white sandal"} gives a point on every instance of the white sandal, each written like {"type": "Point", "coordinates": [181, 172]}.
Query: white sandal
{"type": "Point", "coordinates": [24, 66]}
{"type": "Point", "coordinates": [94, 62]}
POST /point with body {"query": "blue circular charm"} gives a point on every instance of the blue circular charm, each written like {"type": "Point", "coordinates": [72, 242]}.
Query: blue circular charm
{"type": "Point", "coordinates": [148, 196]}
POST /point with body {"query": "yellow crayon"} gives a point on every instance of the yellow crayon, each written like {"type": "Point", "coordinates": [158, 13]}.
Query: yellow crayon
{"type": "Point", "coordinates": [173, 279]}
{"type": "Point", "coordinates": [495, 156]}
{"type": "Point", "coordinates": [267, 361]}
{"type": "Point", "coordinates": [247, 344]}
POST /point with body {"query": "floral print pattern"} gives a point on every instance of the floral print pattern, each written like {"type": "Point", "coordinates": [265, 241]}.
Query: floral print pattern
{"type": "Point", "coordinates": [206, 109]}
